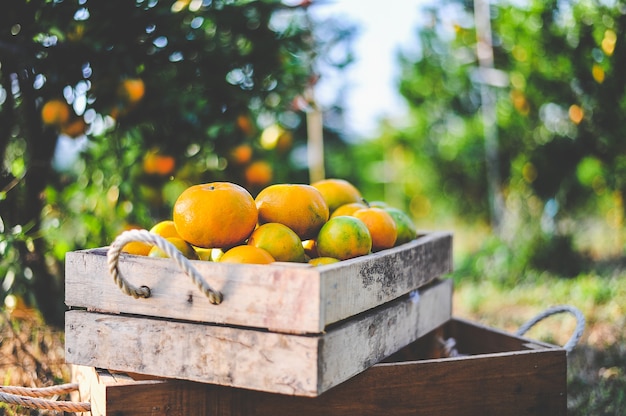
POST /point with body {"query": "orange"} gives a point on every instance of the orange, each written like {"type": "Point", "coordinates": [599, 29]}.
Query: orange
{"type": "Point", "coordinates": [247, 254]}
{"type": "Point", "coordinates": [132, 90]}
{"type": "Point", "coordinates": [241, 154]}
{"type": "Point", "coordinates": [182, 246]}
{"type": "Point", "coordinates": [406, 228]}
{"type": "Point", "coordinates": [155, 163]}
{"type": "Point", "coordinates": [348, 209]}
{"type": "Point", "coordinates": [215, 215]}
{"type": "Point", "coordinates": [74, 128]}
{"type": "Point", "coordinates": [55, 112]}
{"type": "Point", "coordinates": [300, 207]}
{"type": "Point", "coordinates": [381, 225]}
{"type": "Point", "coordinates": [245, 124]}
{"type": "Point", "coordinates": [343, 238]}
{"type": "Point", "coordinates": [258, 173]}
{"type": "Point", "coordinates": [285, 142]}
{"type": "Point", "coordinates": [165, 229]}
{"type": "Point", "coordinates": [278, 240]}
{"type": "Point", "coordinates": [337, 192]}
{"type": "Point", "coordinates": [320, 261]}
{"type": "Point", "coordinates": [137, 248]}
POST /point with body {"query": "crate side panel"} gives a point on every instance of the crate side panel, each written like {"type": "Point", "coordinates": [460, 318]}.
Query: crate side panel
{"type": "Point", "coordinates": [529, 383]}
{"type": "Point", "coordinates": [359, 284]}
{"type": "Point", "coordinates": [238, 357]}
{"type": "Point", "coordinates": [513, 383]}
{"type": "Point", "coordinates": [278, 297]}
{"type": "Point", "coordinates": [356, 345]}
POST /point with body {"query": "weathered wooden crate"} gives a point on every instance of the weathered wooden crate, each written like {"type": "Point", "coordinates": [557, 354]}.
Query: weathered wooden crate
{"type": "Point", "coordinates": [501, 375]}
{"type": "Point", "coordinates": [284, 297]}
{"type": "Point", "coordinates": [281, 328]}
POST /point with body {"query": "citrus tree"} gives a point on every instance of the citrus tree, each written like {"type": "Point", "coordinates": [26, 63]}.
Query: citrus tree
{"type": "Point", "coordinates": [557, 102]}
{"type": "Point", "coordinates": [109, 109]}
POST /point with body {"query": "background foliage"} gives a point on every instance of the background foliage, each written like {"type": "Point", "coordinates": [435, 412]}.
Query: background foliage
{"type": "Point", "coordinates": [149, 97]}
{"type": "Point", "coordinates": [558, 97]}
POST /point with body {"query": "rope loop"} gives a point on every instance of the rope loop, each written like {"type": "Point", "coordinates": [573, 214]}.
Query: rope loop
{"type": "Point", "coordinates": [578, 331]}
{"type": "Point", "coordinates": [32, 398]}
{"type": "Point", "coordinates": [144, 236]}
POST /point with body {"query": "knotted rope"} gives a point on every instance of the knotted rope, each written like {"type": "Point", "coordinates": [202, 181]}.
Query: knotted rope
{"type": "Point", "coordinates": [32, 398]}
{"type": "Point", "coordinates": [578, 331]}
{"type": "Point", "coordinates": [144, 236]}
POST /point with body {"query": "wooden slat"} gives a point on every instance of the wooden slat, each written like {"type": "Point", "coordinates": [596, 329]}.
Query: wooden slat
{"type": "Point", "coordinates": [523, 382]}
{"type": "Point", "coordinates": [288, 298]}
{"type": "Point", "coordinates": [304, 365]}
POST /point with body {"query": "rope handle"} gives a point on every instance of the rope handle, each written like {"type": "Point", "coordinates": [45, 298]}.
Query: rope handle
{"type": "Point", "coordinates": [449, 346]}
{"type": "Point", "coordinates": [144, 236]}
{"type": "Point", "coordinates": [578, 331]}
{"type": "Point", "coordinates": [32, 398]}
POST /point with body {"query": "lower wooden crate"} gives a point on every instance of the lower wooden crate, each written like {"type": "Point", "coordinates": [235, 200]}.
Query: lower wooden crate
{"type": "Point", "coordinates": [249, 358]}
{"type": "Point", "coordinates": [501, 374]}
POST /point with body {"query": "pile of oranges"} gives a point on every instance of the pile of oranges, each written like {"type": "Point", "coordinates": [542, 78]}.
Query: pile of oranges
{"type": "Point", "coordinates": [321, 223]}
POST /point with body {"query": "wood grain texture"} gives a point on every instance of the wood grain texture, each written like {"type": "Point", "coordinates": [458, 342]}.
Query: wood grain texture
{"type": "Point", "coordinates": [304, 365]}
{"type": "Point", "coordinates": [521, 382]}
{"type": "Point", "coordinates": [288, 298]}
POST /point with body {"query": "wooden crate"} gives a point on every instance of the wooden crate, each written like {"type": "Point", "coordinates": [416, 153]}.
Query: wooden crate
{"type": "Point", "coordinates": [293, 364]}
{"type": "Point", "coordinates": [282, 297]}
{"type": "Point", "coordinates": [282, 328]}
{"type": "Point", "coordinates": [503, 375]}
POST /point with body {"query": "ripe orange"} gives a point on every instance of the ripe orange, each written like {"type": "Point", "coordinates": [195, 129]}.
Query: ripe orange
{"type": "Point", "coordinates": [74, 128]}
{"type": "Point", "coordinates": [55, 112]}
{"type": "Point", "coordinates": [348, 209]}
{"type": "Point", "coordinates": [320, 261]}
{"type": "Point", "coordinates": [405, 225]}
{"type": "Point", "coordinates": [155, 163]}
{"type": "Point", "coordinates": [381, 225]}
{"type": "Point", "coordinates": [337, 192]}
{"type": "Point", "coordinates": [258, 173]}
{"type": "Point", "coordinates": [247, 254]}
{"type": "Point", "coordinates": [182, 246]}
{"type": "Point", "coordinates": [343, 238]}
{"type": "Point", "coordinates": [278, 240]}
{"type": "Point", "coordinates": [285, 142]}
{"type": "Point", "coordinates": [300, 207]}
{"type": "Point", "coordinates": [245, 124]}
{"type": "Point", "coordinates": [137, 248]}
{"type": "Point", "coordinates": [241, 154]}
{"type": "Point", "coordinates": [215, 215]}
{"type": "Point", "coordinates": [132, 90]}
{"type": "Point", "coordinates": [165, 229]}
